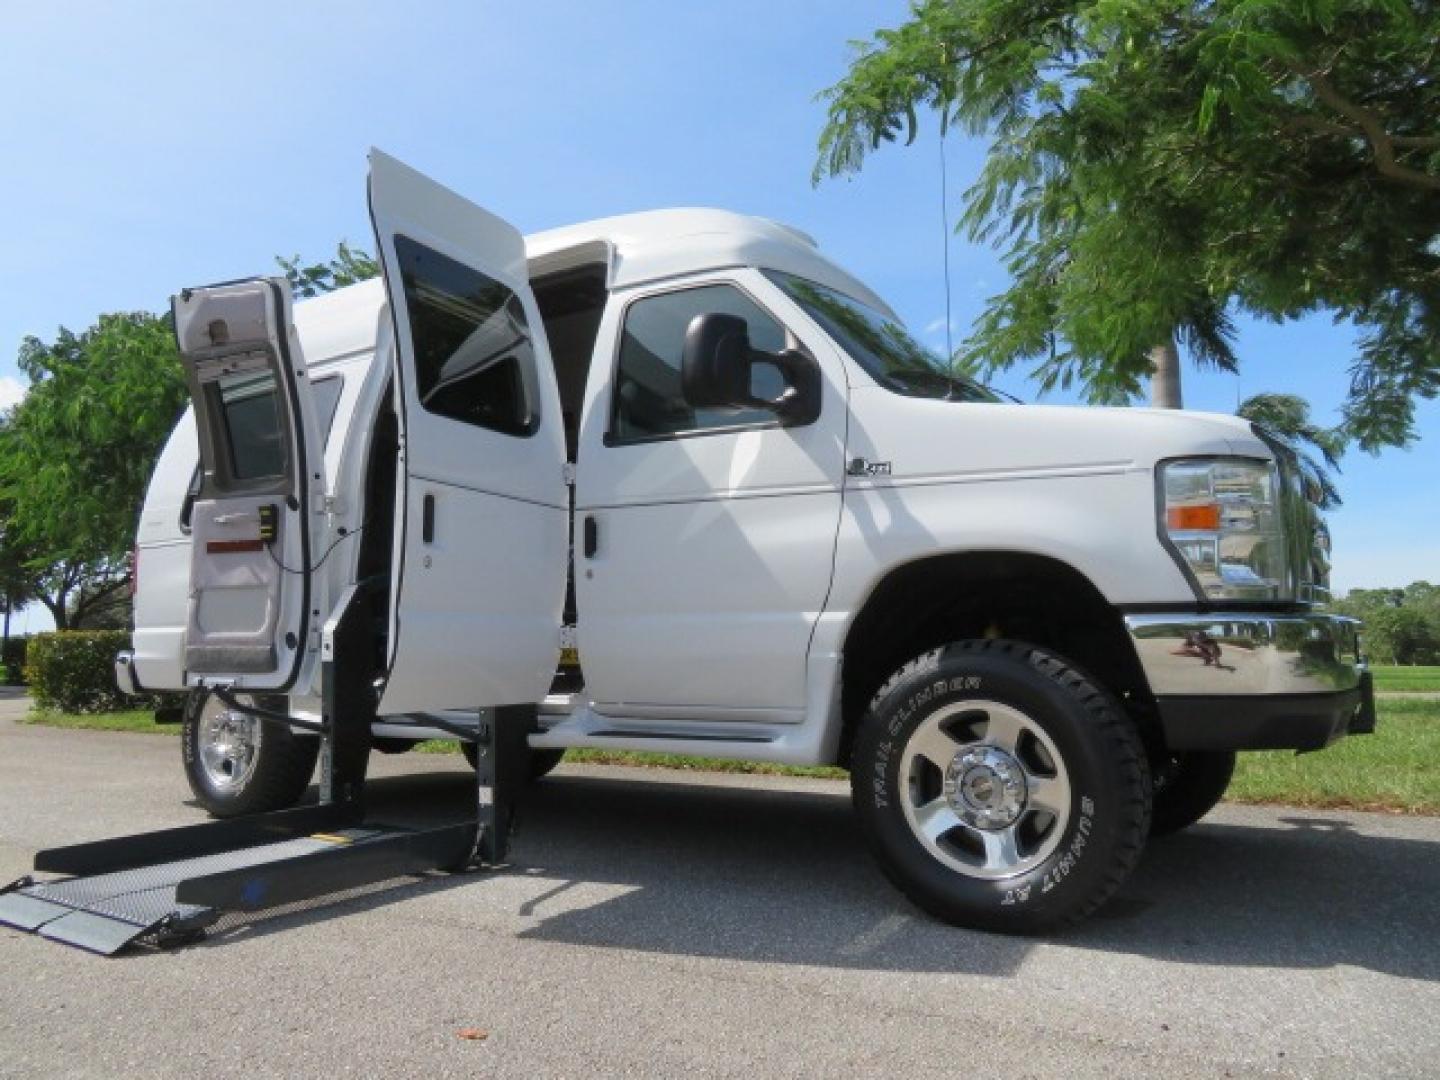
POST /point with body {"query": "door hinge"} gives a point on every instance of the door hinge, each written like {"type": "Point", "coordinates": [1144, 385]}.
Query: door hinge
{"type": "Point", "coordinates": [569, 647]}
{"type": "Point", "coordinates": [334, 505]}
{"type": "Point", "coordinates": [567, 472]}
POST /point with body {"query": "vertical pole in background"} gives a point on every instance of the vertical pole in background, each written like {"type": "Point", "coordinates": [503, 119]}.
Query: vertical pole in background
{"type": "Point", "coordinates": [945, 236]}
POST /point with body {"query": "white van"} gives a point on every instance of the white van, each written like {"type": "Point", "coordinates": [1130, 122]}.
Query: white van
{"type": "Point", "coordinates": [678, 482]}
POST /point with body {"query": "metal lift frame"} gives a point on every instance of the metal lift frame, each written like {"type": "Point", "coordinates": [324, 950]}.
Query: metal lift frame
{"type": "Point", "coordinates": [167, 887]}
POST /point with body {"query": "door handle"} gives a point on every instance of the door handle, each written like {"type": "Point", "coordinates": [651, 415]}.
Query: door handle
{"type": "Point", "coordinates": [427, 518]}
{"type": "Point", "coordinates": [592, 537]}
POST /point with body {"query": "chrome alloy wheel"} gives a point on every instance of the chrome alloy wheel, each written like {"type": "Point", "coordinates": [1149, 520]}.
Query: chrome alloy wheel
{"type": "Point", "coordinates": [984, 789]}
{"type": "Point", "coordinates": [229, 744]}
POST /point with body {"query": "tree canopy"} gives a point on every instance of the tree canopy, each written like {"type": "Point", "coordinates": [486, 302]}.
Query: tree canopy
{"type": "Point", "coordinates": [349, 266]}
{"type": "Point", "coordinates": [1289, 417]}
{"type": "Point", "coordinates": [76, 455]}
{"type": "Point", "coordinates": [1402, 626]}
{"type": "Point", "coordinates": [1155, 168]}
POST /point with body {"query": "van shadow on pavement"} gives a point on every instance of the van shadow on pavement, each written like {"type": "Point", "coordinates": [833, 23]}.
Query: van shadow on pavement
{"type": "Point", "coordinates": [783, 877]}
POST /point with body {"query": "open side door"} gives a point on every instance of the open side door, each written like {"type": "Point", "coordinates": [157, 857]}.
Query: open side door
{"type": "Point", "coordinates": [482, 536]}
{"type": "Point", "coordinates": [253, 606]}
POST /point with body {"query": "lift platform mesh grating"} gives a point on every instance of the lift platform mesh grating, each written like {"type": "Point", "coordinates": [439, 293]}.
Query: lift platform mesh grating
{"type": "Point", "coordinates": [106, 912]}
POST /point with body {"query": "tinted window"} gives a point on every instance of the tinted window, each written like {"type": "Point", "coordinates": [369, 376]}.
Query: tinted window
{"type": "Point", "coordinates": [648, 401]}
{"type": "Point", "coordinates": [253, 434]}
{"type": "Point", "coordinates": [327, 400]}
{"type": "Point", "coordinates": [473, 350]}
{"type": "Point", "coordinates": [879, 344]}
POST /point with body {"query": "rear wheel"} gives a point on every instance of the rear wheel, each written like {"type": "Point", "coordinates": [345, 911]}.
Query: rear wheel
{"type": "Point", "coordinates": [236, 764]}
{"type": "Point", "coordinates": [999, 788]}
{"type": "Point", "coordinates": [1187, 787]}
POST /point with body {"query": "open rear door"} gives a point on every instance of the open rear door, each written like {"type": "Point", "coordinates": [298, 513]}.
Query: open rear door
{"type": "Point", "coordinates": [482, 539]}
{"type": "Point", "coordinates": [252, 608]}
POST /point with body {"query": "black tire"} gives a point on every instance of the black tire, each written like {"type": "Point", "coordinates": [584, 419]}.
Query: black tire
{"type": "Point", "coordinates": [1072, 734]}
{"type": "Point", "coordinates": [1187, 787]}
{"type": "Point", "coordinates": [279, 767]}
{"type": "Point", "coordinates": [541, 762]}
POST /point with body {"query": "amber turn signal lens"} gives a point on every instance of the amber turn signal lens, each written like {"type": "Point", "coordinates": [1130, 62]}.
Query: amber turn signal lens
{"type": "Point", "coordinates": [1205, 517]}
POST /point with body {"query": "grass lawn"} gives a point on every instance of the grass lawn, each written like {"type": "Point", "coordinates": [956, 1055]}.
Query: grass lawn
{"type": "Point", "coordinates": [1396, 770]}
{"type": "Point", "coordinates": [1407, 678]}
{"type": "Point", "coordinates": [640, 760]}
{"type": "Point", "coordinates": [140, 720]}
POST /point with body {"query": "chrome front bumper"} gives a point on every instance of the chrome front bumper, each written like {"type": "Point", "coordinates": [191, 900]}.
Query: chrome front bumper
{"type": "Point", "coordinates": [1246, 653]}
{"type": "Point", "coordinates": [1246, 681]}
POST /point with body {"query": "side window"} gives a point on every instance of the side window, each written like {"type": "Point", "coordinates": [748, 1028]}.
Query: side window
{"type": "Point", "coordinates": [648, 401]}
{"type": "Point", "coordinates": [254, 435]}
{"type": "Point", "coordinates": [326, 394]}
{"type": "Point", "coordinates": [474, 356]}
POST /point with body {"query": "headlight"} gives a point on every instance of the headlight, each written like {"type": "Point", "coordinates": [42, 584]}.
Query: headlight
{"type": "Point", "coordinates": [1223, 517]}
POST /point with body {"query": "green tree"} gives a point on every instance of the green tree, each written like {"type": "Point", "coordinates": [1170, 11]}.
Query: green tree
{"type": "Point", "coordinates": [1155, 168]}
{"type": "Point", "coordinates": [16, 584]}
{"type": "Point", "coordinates": [349, 266]}
{"type": "Point", "coordinates": [1288, 417]}
{"type": "Point", "coordinates": [1402, 626]}
{"type": "Point", "coordinates": [1402, 635]}
{"type": "Point", "coordinates": [76, 456]}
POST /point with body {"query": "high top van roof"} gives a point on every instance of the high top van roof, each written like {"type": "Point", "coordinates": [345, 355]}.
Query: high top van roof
{"type": "Point", "coordinates": [665, 243]}
{"type": "Point", "coordinates": [635, 248]}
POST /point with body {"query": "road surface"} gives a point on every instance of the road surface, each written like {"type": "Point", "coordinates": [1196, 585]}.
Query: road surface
{"type": "Point", "coordinates": [663, 923]}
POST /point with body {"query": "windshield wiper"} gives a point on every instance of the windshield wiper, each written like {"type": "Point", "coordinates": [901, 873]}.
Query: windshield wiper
{"type": "Point", "coordinates": [932, 384]}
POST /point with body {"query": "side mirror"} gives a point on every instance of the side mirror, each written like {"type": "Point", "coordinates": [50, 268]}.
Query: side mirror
{"type": "Point", "coordinates": [716, 371]}
{"type": "Point", "coordinates": [715, 362]}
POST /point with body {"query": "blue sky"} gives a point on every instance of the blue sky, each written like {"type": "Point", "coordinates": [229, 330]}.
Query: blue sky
{"type": "Point", "coordinates": [194, 142]}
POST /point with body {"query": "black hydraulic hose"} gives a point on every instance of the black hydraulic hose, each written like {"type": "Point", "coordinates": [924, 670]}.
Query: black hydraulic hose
{"type": "Point", "coordinates": [267, 715]}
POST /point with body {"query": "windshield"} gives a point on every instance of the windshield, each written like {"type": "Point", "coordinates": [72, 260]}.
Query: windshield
{"type": "Point", "coordinates": [879, 344]}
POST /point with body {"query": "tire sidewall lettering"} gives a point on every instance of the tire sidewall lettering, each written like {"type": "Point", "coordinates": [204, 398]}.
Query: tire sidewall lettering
{"type": "Point", "coordinates": [1085, 849]}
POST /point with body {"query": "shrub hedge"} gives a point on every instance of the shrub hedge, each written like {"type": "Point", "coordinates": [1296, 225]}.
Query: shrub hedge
{"type": "Point", "coordinates": [74, 671]}
{"type": "Point", "coordinates": [14, 661]}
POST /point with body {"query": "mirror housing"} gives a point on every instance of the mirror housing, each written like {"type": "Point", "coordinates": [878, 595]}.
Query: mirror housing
{"type": "Point", "coordinates": [715, 362]}
{"type": "Point", "coordinates": [715, 371]}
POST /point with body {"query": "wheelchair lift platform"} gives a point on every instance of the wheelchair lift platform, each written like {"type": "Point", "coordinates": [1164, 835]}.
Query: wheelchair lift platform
{"type": "Point", "coordinates": [166, 888]}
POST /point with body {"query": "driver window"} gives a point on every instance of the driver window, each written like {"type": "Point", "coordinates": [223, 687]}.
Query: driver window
{"type": "Point", "coordinates": [648, 403]}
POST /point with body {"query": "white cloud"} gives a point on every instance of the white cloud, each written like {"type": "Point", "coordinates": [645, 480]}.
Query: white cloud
{"type": "Point", "coordinates": [11, 391]}
{"type": "Point", "coordinates": [935, 328]}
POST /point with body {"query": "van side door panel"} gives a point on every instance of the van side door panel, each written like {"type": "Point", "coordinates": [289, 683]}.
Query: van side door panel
{"type": "Point", "coordinates": [481, 539]}
{"type": "Point", "coordinates": [255, 516]}
{"type": "Point", "coordinates": [714, 533]}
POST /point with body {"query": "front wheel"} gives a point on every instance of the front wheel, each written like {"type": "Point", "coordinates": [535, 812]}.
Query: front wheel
{"type": "Point", "coordinates": [999, 788]}
{"type": "Point", "coordinates": [237, 764]}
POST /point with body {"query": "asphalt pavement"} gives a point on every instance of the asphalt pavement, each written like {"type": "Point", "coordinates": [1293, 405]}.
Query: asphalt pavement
{"type": "Point", "coordinates": [667, 923]}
